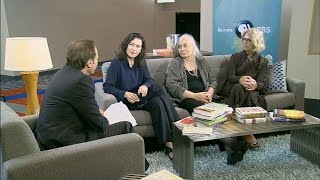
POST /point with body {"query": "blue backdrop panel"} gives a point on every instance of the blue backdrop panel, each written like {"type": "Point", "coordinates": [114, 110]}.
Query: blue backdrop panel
{"type": "Point", "coordinates": [231, 17]}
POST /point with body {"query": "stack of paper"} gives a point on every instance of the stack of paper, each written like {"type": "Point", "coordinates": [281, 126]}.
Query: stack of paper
{"type": "Point", "coordinates": [119, 112]}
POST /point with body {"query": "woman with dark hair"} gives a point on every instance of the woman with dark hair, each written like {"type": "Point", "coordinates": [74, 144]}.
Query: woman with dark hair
{"type": "Point", "coordinates": [129, 80]}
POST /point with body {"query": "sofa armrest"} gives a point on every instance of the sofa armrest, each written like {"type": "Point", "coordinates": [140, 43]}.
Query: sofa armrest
{"type": "Point", "coordinates": [107, 158]}
{"type": "Point", "coordinates": [31, 120]}
{"type": "Point", "coordinates": [103, 99]}
{"type": "Point", "coordinates": [297, 87]}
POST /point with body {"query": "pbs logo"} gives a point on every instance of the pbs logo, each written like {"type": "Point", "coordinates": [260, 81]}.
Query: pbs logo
{"type": "Point", "coordinates": [242, 26]}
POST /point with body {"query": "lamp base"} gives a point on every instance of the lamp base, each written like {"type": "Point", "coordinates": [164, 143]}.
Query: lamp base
{"type": "Point", "coordinates": [30, 80]}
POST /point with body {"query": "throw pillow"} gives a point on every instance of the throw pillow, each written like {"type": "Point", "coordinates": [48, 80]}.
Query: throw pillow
{"type": "Point", "coordinates": [277, 78]}
{"type": "Point", "coordinates": [104, 68]}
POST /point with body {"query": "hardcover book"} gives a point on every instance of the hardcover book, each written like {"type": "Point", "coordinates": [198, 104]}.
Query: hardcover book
{"type": "Point", "coordinates": [251, 120]}
{"type": "Point", "coordinates": [211, 123]}
{"type": "Point", "coordinates": [200, 116]}
{"type": "Point", "coordinates": [187, 121]}
{"type": "Point", "coordinates": [251, 112]}
{"type": "Point", "coordinates": [289, 114]}
{"type": "Point", "coordinates": [191, 130]}
{"type": "Point", "coordinates": [211, 109]}
{"type": "Point", "coordinates": [283, 119]}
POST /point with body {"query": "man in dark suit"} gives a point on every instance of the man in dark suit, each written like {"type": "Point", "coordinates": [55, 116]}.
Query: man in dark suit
{"type": "Point", "coordinates": [69, 113]}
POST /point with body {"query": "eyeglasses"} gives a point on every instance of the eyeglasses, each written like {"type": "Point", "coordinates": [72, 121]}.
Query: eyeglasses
{"type": "Point", "coordinates": [245, 40]}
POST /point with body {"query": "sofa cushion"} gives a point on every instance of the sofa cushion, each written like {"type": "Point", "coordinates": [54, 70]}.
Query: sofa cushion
{"type": "Point", "coordinates": [280, 100]}
{"type": "Point", "coordinates": [219, 65]}
{"type": "Point", "coordinates": [144, 121]}
{"type": "Point", "coordinates": [104, 69]}
{"type": "Point", "coordinates": [277, 78]}
{"type": "Point", "coordinates": [158, 69]}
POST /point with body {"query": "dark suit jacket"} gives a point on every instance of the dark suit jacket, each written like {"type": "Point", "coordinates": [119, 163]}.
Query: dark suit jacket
{"type": "Point", "coordinates": [69, 113]}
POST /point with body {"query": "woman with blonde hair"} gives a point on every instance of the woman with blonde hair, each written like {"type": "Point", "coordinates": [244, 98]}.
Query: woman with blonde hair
{"type": "Point", "coordinates": [247, 75]}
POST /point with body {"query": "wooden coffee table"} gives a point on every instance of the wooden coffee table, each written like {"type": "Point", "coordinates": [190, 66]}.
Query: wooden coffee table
{"type": "Point", "coordinates": [183, 146]}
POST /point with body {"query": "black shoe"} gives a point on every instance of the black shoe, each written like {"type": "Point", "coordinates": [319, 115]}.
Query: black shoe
{"type": "Point", "coordinates": [146, 164]}
{"type": "Point", "coordinates": [168, 151]}
{"type": "Point", "coordinates": [234, 158]}
{"type": "Point", "coordinates": [221, 146]}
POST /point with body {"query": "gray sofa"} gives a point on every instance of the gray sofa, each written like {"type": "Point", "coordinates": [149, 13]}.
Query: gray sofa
{"type": "Point", "coordinates": [219, 64]}
{"type": "Point", "coordinates": [107, 158]}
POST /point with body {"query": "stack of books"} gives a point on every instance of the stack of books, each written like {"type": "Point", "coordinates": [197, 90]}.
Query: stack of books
{"type": "Point", "coordinates": [285, 115]}
{"type": "Point", "coordinates": [251, 115]}
{"type": "Point", "coordinates": [211, 114]}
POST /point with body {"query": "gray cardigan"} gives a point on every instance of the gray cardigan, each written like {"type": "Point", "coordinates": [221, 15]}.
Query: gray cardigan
{"type": "Point", "coordinates": [176, 81]}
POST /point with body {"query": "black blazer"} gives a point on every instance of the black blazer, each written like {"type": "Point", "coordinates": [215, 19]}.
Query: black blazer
{"type": "Point", "coordinates": [69, 113]}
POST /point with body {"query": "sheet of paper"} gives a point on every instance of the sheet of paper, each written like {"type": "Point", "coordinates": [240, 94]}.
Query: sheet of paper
{"type": "Point", "coordinates": [119, 112]}
{"type": "Point", "coordinates": [162, 175]}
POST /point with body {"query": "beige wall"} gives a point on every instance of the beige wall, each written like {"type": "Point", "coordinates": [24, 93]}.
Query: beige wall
{"type": "Point", "coordinates": [106, 22]}
{"type": "Point", "coordinates": [182, 6]}
{"type": "Point", "coordinates": [206, 28]}
{"type": "Point", "coordinates": [300, 64]}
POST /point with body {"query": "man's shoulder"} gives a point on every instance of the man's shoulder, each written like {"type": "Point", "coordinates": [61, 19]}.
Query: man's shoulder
{"type": "Point", "coordinates": [67, 76]}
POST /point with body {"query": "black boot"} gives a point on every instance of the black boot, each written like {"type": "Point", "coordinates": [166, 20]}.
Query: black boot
{"type": "Point", "coordinates": [234, 154]}
{"type": "Point", "coordinates": [234, 157]}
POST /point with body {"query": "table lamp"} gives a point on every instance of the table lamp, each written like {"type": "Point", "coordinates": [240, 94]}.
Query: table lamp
{"type": "Point", "coordinates": [28, 55]}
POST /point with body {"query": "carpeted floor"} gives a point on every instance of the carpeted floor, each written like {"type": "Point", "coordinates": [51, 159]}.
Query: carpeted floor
{"type": "Point", "coordinates": [13, 93]}
{"type": "Point", "coordinates": [273, 160]}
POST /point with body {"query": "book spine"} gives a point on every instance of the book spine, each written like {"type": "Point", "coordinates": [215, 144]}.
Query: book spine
{"type": "Point", "coordinates": [208, 118]}
{"type": "Point", "coordinates": [284, 119]}
{"type": "Point", "coordinates": [250, 116]}
{"type": "Point", "coordinates": [201, 112]}
{"type": "Point", "coordinates": [252, 120]}
{"type": "Point", "coordinates": [290, 114]}
{"type": "Point", "coordinates": [251, 110]}
{"type": "Point", "coordinates": [211, 123]}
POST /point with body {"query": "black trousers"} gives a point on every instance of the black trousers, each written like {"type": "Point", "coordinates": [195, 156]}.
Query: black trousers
{"type": "Point", "coordinates": [122, 127]}
{"type": "Point", "coordinates": [160, 106]}
{"type": "Point", "coordinates": [240, 97]}
{"type": "Point", "coordinates": [189, 104]}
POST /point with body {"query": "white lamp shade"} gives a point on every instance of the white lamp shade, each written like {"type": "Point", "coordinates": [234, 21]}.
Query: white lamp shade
{"type": "Point", "coordinates": [27, 54]}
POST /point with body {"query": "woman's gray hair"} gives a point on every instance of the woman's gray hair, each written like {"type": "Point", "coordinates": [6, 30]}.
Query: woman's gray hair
{"type": "Point", "coordinates": [196, 50]}
{"type": "Point", "coordinates": [257, 39]}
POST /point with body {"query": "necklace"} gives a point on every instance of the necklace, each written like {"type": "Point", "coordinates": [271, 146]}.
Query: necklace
{"type": "Point", "coordinates": [192, 73]}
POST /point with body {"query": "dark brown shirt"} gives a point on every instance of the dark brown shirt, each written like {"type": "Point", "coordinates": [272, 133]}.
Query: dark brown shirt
{"type": "Point", "coordinates": [240, 65]}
